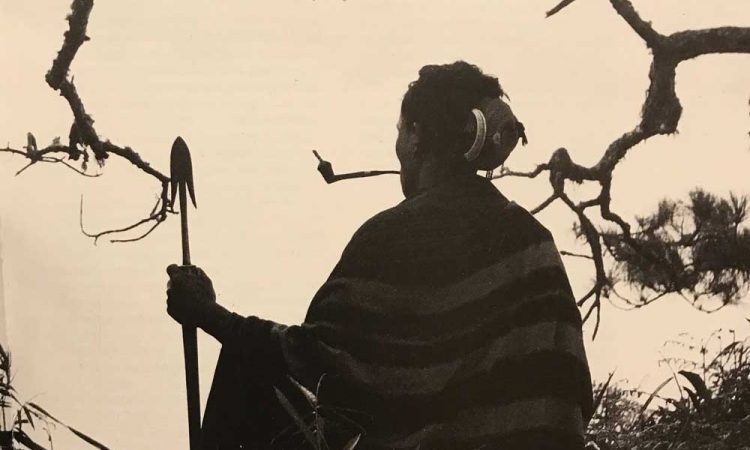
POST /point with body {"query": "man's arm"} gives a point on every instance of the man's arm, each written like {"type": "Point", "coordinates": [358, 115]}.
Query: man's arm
{"type": "Point", "coordinates": [191, 300]}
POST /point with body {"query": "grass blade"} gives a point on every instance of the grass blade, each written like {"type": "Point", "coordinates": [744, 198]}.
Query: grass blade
{"type": "Point", "coordinates": [25, 440]}
{"type": "Point", "coordinates": [650, 398]}
{"type": "Point", "coordinates": [287, 405]}
{"type": "Point", "coordinates": [28, 416]}
{"type": "Point", "coordinates": [602, 391]}
{"type": "Point", "coordinates": [352, 443]}
{"type": "Point", "coordinates": [89, 440]}
{"type": "Point", "coordinates": [311, 398]}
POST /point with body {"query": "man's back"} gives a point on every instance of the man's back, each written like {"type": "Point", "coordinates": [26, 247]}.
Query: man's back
{"type": "Point", "coordinates": [448, 323]}
{"type": "Point", "coordinates": [450, 320]}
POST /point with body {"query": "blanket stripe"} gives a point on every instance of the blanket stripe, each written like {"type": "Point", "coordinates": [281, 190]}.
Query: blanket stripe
{"type": "Point", "coordinates": [378, 297]}
{"type": "Point", "coordinates": [490, 422]}
{"type": "Point", "coordinates": [430, 379]}
{"type": "Point", "coordinates": [360, 338]}
{"type": "Point", "coordinates": [450, 323]}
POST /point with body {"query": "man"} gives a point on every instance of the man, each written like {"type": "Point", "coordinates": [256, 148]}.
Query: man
{"type": "Point", "coordinates": [448, 322]}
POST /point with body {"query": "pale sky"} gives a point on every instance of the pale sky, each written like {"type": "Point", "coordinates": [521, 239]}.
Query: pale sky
{"type": "Point", "coordinates": [253, 87]}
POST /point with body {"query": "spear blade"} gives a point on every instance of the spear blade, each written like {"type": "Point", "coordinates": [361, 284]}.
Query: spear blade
{"type": "Point", "coordinates": [181, 169]}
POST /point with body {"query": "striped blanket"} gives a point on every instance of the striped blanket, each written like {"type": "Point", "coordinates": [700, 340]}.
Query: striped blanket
{"type": "Point", "coordinates": [448, 323]}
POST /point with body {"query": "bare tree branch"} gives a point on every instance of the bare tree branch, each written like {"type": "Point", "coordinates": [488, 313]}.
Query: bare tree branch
{"type": "Point", "coordinates": [589, 231]}
{"type": "Point", "coordinates": [157, 216]}
{"type": "Point", "coordinates": [78, 21]}
{"type": "Point", "coordinates": [626, 10]}
{"type": "Point", "coordinates": [545, 204]}
{"type": "Point", "coordinates": [575, 255]}
{"type": "Point", "coordinates": [83, 132]}
{"type": "Point", "coordinates": [39, 157]}
{"type": "Point", "coordinates": [691, 44]}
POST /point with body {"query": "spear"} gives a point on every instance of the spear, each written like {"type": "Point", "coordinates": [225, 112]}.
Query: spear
{"type": "Point", "coordinates": [181, 178]}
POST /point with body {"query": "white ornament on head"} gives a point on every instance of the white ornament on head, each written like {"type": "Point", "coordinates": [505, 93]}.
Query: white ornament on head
{"type": "Point", "coordinates": [479, 138]}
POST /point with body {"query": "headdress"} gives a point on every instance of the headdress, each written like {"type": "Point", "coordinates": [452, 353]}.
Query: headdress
{"type": "Point", "coordinates": [496, 134]}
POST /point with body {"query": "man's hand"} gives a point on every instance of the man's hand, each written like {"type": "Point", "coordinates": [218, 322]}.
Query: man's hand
{"type": "Point", "coordinates": [190, 294]}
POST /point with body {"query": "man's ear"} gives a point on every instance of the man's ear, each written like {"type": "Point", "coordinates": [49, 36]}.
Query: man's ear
{"type": "Point", "coordinates": [414, 140]}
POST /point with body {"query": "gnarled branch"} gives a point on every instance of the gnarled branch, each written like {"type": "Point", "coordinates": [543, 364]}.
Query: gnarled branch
{"type": "Point", "coordinates": [83, 132]}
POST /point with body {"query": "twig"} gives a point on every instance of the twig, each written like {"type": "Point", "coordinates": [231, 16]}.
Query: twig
{"type": "Point", "coordinates": [158, 216]}
{"type": "Point", "coordinates": [576, 255]}
{"type": "Point", "coordinates": [157, 222]}
{"type": "Point", "coordinates": [74, 169]}
{"type": "Point", "coordinates": [625, 9]}
{"type": "Point", "coordinates": [544, 204]}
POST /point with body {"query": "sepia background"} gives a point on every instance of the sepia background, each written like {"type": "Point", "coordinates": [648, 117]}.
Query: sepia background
{"type": "Point", "coordinates": [253, 87]}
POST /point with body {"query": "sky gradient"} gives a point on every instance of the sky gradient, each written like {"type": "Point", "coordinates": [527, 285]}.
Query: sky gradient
{"type": "Point", "coordinates": [253, 87]}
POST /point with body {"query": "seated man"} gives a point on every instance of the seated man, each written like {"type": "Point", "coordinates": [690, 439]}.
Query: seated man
{"type": "Point", "coordinates": [448, 323]}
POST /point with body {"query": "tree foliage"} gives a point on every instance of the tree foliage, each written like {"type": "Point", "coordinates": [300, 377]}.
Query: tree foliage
{"type": "Point", "coordinates": [698, 249]}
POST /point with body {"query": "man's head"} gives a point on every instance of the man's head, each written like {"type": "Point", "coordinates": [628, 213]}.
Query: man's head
{"type": "Point", "coordinates": [439, 124]}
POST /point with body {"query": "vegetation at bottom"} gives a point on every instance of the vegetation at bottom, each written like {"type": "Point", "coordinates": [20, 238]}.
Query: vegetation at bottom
{"type": "Point", "coordinates": [710, 412]}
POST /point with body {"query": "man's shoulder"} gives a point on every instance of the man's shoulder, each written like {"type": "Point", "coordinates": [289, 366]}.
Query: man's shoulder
{"type": "Point", "coordinates": [443, 228]}
{"type": "Point", "coordinates": [522, 220]}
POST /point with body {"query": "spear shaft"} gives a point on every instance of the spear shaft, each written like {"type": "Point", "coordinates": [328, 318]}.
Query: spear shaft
{"type": "Point", "coordinates": [182, 179]}
{"type": "Point", "coordinates": [190, 340]}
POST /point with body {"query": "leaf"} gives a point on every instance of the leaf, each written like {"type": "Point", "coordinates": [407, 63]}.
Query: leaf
{"type": "Point", "coordinates": [650, 398]}
{"type": "Point", "coordinates": [88, 439]}
{"type": "Point", "coordinates": [296, 417]}
{"type": "Point", "coordinates": [352, 443]}
{"type": "Point", "coordinates": [320, 383]}
{"type": "Point", "coordinates": [602, 391]}
{"type": "Point", "coordinates": [559, 7]}
{"type": "Point", "coordinates": [4, 361]}
{"type": "Point", "coordinates": [698, 383]}
{"type": "Point", "coordinates": [694, 398]}
{"type": "Point", "coordinates": [28, 416]}
{"type": "Point", "coordinates": [311, 398]}
{"type": "Point", "coordinates": [91, 441]}
{"type": "Point", "coordinates": [41, 410]}
{"type": "Point", "coordinates": [24, 439]}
